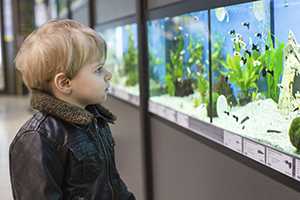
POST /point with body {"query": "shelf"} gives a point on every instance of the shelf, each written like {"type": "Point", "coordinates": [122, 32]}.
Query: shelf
{"type": "Point", "coordinates": [275, 159]}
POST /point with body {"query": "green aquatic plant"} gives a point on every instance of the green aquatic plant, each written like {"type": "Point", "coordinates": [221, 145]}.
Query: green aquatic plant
{"type": "Point", "coordinates": [155, 86]}
{"type": "Point", "coordinates": [243, 69]}
{"type": "Point", "coordinates": [220, 85]}
{"type": "Point", "coordinates": [202, 89]}
{"type": "Point", "coordinates": [244, 76]}
{"type": "Point", "coordinates": [272, 66]}
{"type": "Point", "coordinates": [153, 63]}
{"type": "Point", "coordinates": [176, 84]}
{"type": "Point", "coordinates": [130, 61]}
{"type": "Point", "coordinates": [294, 133]}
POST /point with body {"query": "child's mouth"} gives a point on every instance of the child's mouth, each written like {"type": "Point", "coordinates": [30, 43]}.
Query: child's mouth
{"type": "Point", "coordinates": [107, 89]}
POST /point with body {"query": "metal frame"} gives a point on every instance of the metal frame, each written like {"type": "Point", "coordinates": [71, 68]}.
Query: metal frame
{"type": "Point", "coordinates": [3, 45]}
{"type": "Point", "coordinates": [183, 7]}
{"type": "Point", "coordinates": [141, 6]}
{"type": "Point", "coordinates": [116, 22]}
{"type": "Point", "coordinates": [92, 13]}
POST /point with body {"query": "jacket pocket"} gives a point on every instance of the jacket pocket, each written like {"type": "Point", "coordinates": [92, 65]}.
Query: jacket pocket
{"type": "Point", "coordinates": [86, 163]}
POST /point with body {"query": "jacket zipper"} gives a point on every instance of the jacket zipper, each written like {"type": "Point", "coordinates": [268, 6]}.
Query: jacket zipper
{"type": "Point", "coordinates": [99, 139]}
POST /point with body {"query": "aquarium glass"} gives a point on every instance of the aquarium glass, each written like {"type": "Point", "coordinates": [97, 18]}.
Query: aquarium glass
{"type": "Point", "coordinates": [80, 11]}
{"type": "Point", "coordinates": [122, 57]}
{"type": "Point", "coordinates": [178, 63]}
{"type": "Point", "coordinates": [255, 68]}
{"type": "Point", "coordinates": [63, 10]}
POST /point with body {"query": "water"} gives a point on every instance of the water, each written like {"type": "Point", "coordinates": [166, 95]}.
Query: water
{"type": "Point", "coordinates": [255, 64]}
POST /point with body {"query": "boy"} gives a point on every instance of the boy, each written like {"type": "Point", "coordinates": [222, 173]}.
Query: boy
{"type": "Point", "coordinates": [66, 150]}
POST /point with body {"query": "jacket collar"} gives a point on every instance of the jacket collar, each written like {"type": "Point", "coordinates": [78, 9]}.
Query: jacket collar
{"type": "Point", "coordinates": [73, 114]}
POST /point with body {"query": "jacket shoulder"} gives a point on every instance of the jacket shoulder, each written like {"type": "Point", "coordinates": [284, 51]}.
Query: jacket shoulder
{"type": "Point", "coordinates": [51, 128]}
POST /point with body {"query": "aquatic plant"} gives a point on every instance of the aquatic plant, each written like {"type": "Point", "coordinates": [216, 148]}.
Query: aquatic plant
{"type": "Point", "coordinates": [294, 133]}
{"type": "Point", "coordinates": [202, 89]}
{"type": "Point", "coordinates": [220, 84]}
{"type": "Point", "coordinates": [179, 76]}
{"type": "Point", "coordinates": [130, 61]}
{"type": "Point", "coordinates": [242, 71]}
{"type": "Point", "coordinates": [156, 87]}
{"type": "Point", "coordinates": [153, 63]}
{"type": "Point", "coordinates": [272, 66]}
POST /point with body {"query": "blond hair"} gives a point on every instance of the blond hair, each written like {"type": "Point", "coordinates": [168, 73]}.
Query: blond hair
{"type": "Point", "coordinates": [58, 46]}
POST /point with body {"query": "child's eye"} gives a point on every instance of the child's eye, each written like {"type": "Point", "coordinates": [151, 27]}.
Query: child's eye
{"type": "Point", "coordinates": [99, 70]}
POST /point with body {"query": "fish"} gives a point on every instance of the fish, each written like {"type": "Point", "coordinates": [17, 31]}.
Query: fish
{"type": "Point", "coordinates": [255, 47]}
{"type": "Point", "coordinates": [271, 72]}
{"type": "Point", "coordinates": [296, 109]}
{"type": "Point", "coordinates": [267, 47]}
{"type": "Point", "coordinates": [273, 131]}
{"type": "Point", "coordinates": [227, 113]}
{"type": "Point", "coordinates": [259, 35]}
{"type": "Point", "coordinates": [265, 71]}
{"type": "Point", "coordinates": [235, 117]}
{"type": "Point", "coordinates": [248, 52]}
{"type": "Point", "coordinates": [246, 24]}
{"type": "Point", "coordinates": [245, 119]}
{"type": "Point", "coordinates": [244, 60]}
{"type": "Point", "coordinates": [226, 79]}
{"type": "Point", "coordinates": [232, 32]}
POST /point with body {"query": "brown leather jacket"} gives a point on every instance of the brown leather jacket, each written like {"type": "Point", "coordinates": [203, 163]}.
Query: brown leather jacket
{"type": "Point", "coordinates": [65, 153]}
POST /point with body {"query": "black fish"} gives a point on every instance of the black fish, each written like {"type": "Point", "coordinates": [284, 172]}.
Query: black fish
{"type": "Point", "coordinates": [265, 71]}
{"type": "Point", "coordinates": [296, 109]}
{"type": "Point", "coordinates": [232, 32]}
{"type": "Point", "coordinates": [226, 79]}
{"type": "Point", "coordinates": [267, 47]}
{"type": "Point", "coordinates": [235, 117]}
{"type": "Point", "coordinates": [227, 113]}
{"type": "Point", "coordinates": [271, 72]}
{"type": "Point", "coordinates": [273, 131]}
{"type": "Point", "coordinates": [244, 60]}
{"type": "Point", "coordinates": [255, 47]}
{"type": "Point", "coordinates": [259, 35]}
{"type": "Point", "coordinates": [245, 119]}
{"type": "Point", "coordinates": [243, 127]}
{"type": "Point", "coordinates": [248, 52]}
{"type": "Point", "coordinates": [246, 24]}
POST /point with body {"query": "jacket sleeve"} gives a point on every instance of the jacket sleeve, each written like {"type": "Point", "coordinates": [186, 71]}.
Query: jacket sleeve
{"type": "Point", "coordinates": [124, 194]}
{"type": "Point", "coordinates": [123, 191]}
{"type": "Point", "coordinates": [36, 170]}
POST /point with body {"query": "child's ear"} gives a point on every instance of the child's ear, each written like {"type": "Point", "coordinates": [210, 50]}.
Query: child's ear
{"type": "Point", "coordinates": [62, 83]}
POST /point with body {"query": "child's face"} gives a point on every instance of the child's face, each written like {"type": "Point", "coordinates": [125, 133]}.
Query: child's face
{"type": "Point", "coordinates": [90, 85]}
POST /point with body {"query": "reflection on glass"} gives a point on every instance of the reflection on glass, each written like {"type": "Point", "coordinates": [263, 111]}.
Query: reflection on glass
{"type": "Point", "coordinates": [178, 62]}
{"type": "Point", "coordinates": [80, 11]}
{"type": "Point", "coordinates": [63, 10]}
{"type": "Point", "coordinates": [122, 57]}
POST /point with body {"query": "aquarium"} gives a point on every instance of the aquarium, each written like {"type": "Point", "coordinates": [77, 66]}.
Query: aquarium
{"type": "Point", "coordinates": [178, 63]}
{"type": "Point", "coordinates": [255, 67]}
{"type": "Point", "coordinates": [122, 58]}
{"type": "Point", "coordinates": [247, 83]}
